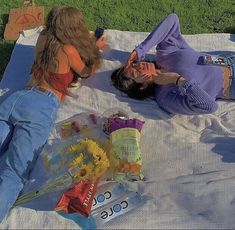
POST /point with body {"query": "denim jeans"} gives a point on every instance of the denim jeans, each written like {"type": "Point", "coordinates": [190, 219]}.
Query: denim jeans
{"type": "Point", "coordinates": [26, 119]}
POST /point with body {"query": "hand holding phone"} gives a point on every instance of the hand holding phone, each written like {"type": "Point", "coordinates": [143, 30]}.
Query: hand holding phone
{"type": "Point", "coordinates": [101, 40]}
{"type": "Point", "coordinates": [99, 32]}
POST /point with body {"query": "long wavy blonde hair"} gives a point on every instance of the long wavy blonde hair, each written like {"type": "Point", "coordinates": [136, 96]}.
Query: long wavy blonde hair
{"type": "Point", "coordinates": [65, 25]}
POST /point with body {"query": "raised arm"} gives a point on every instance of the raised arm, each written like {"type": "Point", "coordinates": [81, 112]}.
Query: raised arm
{"type": "Point", "coordinates": [166, 36]}
{"type": "Point", "coordinates": [187, 99]}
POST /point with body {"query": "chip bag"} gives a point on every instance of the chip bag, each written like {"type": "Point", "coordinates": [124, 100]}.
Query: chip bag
{"type": "Point", "coordinates": [78, 198]}
{"type": "Point", "coordinates": [125, 156]}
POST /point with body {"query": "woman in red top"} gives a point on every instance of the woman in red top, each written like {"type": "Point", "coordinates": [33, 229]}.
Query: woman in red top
{"type": "Point", "coordinates": [63, 48]}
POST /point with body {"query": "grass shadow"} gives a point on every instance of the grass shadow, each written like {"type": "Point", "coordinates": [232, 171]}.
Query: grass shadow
{"type": "Point", "coordinates": [6, 47]}
{"type": "Point", "coordinates": [5, 51]}
{"type": "Point", "coordinates": [3, 22]}
{"type": "Point", "coordinates": [4, 18]}
{"type": "Point", "coordinates": [230, 30]}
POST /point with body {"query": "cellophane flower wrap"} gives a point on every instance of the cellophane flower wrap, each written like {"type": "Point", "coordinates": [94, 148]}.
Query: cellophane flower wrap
{"type": "Point", "coordinates": [80, 125]}
{"type": "Point", "coordinates": [126, 155]}
{"type": "Point", "coordinates": [92, 162]}
{"type": "Point", "coordinates": [72, 162]}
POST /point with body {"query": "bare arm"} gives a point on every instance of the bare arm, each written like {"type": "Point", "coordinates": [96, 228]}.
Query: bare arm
{"type": "Point", "coordinates": [75, 61]}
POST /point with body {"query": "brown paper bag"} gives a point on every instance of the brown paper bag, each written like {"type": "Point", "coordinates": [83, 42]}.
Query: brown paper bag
{"type": "Point", "coordinates": [22, 19]}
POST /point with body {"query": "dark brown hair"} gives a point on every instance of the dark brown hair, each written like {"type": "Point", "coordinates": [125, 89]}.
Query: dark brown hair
{"type": "Point", "coordinates": [130, 87]}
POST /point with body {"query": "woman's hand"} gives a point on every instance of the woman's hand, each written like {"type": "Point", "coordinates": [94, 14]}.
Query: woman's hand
{"type": "Point", "coordinates": [169, 78]}
{"type": "Point", "coordinates": [101, 42]}
{"type": "Point", "coordinates": [144, 72]}
{"type": "Point", "coordinates": [133, 57]}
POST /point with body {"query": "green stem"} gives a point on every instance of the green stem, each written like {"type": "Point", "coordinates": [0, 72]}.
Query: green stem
{"type": "Point", "coordinates": [66, 179]}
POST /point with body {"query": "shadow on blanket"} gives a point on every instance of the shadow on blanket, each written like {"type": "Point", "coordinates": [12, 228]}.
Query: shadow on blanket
{"type": "Point", "coordinates": [232, 36]}
{"type": "Point", "coordinates": [102, 81]}
{"type": "Point", "coordinates": [40, 177]}
{"type": "Point", "coordinates": [224, 146]}
{"type": "Point", "coordinates": [122, 56]}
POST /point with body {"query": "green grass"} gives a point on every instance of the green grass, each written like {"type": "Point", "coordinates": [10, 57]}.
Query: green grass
{"type": "Point", "coordinates": [196, 16]}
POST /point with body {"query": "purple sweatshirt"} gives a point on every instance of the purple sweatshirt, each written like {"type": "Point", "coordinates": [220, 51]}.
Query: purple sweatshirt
{"type": "Point", "coordinates": [204, 82]}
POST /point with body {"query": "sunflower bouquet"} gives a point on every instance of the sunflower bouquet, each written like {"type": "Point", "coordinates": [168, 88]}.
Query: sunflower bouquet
{"type": "Point", "coordinates": [92, 163]}
{"type": "Point", "coordinates": [87, 161]}
{"type": "Point", "coordinates": [91, 160]}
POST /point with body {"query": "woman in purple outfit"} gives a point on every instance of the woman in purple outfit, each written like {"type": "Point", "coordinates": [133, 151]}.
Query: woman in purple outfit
{"type": "Point", "coordinates": [178, 81]}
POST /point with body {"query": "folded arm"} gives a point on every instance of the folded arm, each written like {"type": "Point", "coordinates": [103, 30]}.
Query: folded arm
{"type": "Point", "coordinates": [76, 63]}
{"type": "Point", "coordinates": [188, 99]}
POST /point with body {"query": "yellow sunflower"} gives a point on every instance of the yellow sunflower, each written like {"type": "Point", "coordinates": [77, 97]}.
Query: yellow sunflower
{"type": "Point", "coordinates": [75, 148]}
{"type": "Point", "coordinates": [97, 166]}
{"type": "Point", "coordinates": [77, 160]}
{"type": "Point", "coordinates": [85, 172]}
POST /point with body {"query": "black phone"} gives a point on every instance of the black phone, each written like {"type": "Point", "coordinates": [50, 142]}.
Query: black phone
{"type": "Point", "coordinates": [99, 32]}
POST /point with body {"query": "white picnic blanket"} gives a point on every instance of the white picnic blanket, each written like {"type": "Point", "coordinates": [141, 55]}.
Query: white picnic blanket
{"type": "Point", "coordinates": [189, 161]}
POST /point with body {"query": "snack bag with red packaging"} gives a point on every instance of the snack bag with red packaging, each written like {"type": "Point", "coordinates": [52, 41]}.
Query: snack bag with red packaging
{"type": "Point", "coordinates": [89, 164]}
{"type": "Point", "coordinates": [78, 198]}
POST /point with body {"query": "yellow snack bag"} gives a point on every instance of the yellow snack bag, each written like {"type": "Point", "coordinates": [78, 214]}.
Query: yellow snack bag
{"type": "Point", "coordinates": [126, 156]}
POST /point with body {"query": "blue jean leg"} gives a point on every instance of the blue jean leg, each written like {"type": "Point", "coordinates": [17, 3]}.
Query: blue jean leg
{"type": "Point", "coordinates": [32, 113]}
{"type": "Point", "coordinates": [5, 135]}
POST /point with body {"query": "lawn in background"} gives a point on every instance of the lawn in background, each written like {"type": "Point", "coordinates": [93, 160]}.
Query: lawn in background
{"type": "Point", "coordinates": [196, 16]}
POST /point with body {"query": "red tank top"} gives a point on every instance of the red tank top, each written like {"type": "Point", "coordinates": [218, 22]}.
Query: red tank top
{"type": "Point", "coordinates": [60, 81]}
